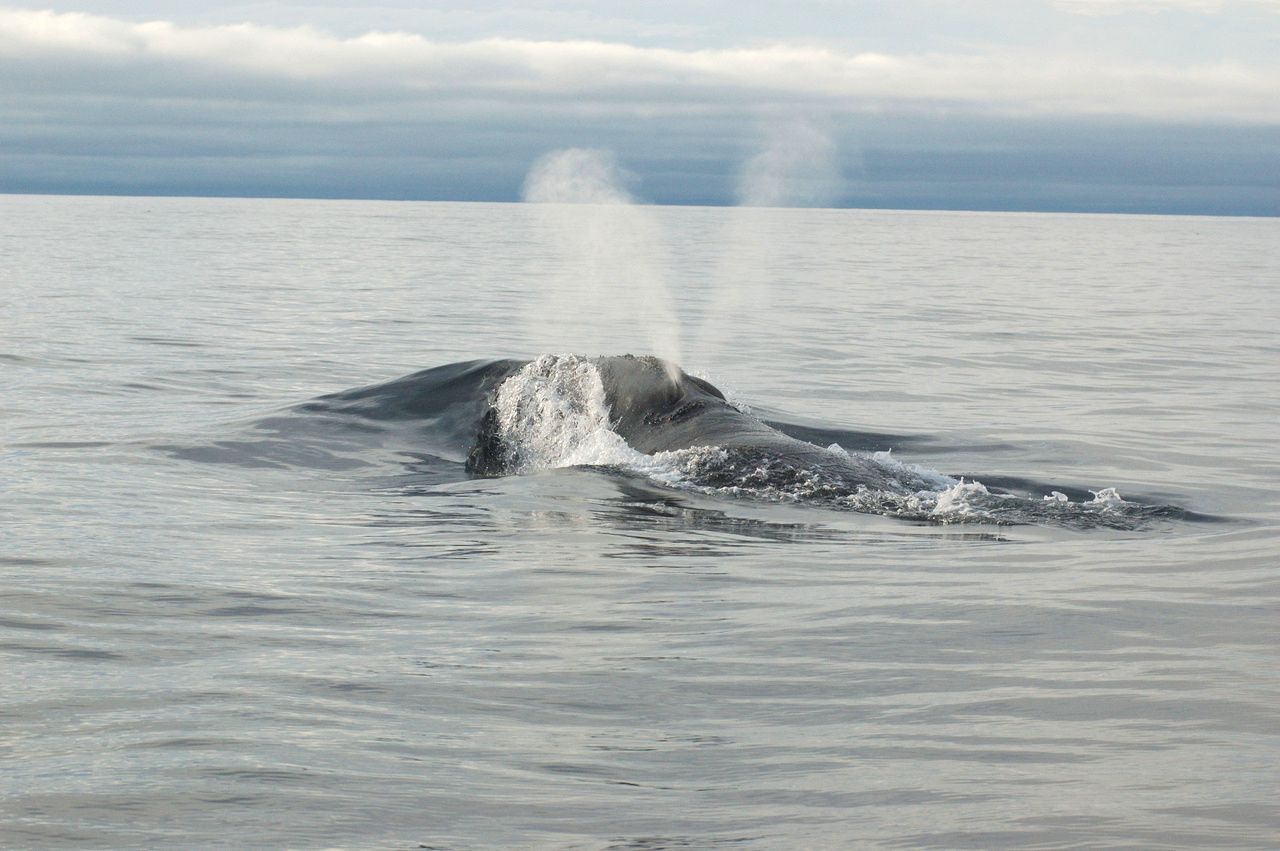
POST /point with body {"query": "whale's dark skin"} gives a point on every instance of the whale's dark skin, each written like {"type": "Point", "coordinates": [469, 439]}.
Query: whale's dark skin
{"type": "Point", "coordinates": [656, 407]}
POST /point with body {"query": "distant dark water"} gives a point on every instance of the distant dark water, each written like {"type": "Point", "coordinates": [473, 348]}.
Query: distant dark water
{"type": "Point", "coordinates": [233, 614]}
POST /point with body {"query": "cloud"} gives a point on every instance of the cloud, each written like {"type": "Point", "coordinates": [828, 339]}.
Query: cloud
{"type": "Point", "coordinates": [1203, 7]}
{"type": "Point", "coordinates": [96, 104]}
{"type": "Point", "coordinates": [48, 53]}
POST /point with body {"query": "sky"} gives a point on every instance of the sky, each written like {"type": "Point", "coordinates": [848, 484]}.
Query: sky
{"type": "Point", "coordinates": [1143, 106]}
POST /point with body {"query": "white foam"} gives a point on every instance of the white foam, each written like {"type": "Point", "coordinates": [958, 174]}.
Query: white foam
{"type": "Point", "coordinates": [955, 501]}
{"type": "Point", "coordinates": [554, 413]}
{"type": "Point", "coordinates": [1106, 496]}
{"type": "Point", "coordinates": [932, 478]}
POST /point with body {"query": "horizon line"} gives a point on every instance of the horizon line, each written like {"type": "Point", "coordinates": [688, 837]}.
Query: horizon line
{"type": "Point", "coordinates": [887, 208]}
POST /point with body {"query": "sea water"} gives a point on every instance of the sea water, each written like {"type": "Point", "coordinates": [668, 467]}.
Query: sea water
{"type": "Point", "coordinates": [223, 623]}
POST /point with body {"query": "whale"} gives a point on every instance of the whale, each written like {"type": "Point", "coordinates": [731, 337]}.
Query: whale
{"type": "Point", "coordinates": [639, 416]}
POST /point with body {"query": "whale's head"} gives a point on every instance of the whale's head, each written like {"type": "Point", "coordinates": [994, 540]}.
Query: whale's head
{"type": "Point", "coordinates": [647, 394]}
{"type": "Point", "coordinates": [651, 403]}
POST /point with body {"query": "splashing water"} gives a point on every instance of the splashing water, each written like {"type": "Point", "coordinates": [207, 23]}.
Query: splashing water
{"type": "Point", "coordinates": [553, 413]}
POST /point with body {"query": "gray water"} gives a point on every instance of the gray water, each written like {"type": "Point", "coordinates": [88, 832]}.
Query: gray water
{"type": "Point", "coordinates": [222, 623]}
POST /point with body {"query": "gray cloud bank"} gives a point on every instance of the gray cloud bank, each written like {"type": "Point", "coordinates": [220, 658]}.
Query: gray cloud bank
{"type": "Point", "coordinates": [96, 104]}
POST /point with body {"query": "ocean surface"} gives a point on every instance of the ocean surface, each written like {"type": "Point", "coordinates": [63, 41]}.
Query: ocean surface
{"type": "Point", "coordinates": [247, 601]}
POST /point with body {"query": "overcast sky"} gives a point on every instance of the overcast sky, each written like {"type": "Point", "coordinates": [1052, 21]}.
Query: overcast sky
{"type": "Point", "coordinates": [1116, 105]}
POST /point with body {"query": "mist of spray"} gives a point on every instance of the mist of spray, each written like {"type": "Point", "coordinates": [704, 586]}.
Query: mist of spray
{"type": "Point", "coordinates": [795, 164]}
{"type": "Point", "coordinates": [577, 176]}
{"type": "Point", "coordinates": [608, 292]}
{"type": "Point", "coordinates": [795, 167]}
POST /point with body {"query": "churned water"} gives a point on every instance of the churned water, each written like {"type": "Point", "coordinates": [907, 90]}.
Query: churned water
{"type": "Point", "coordinates": [244, 605]}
